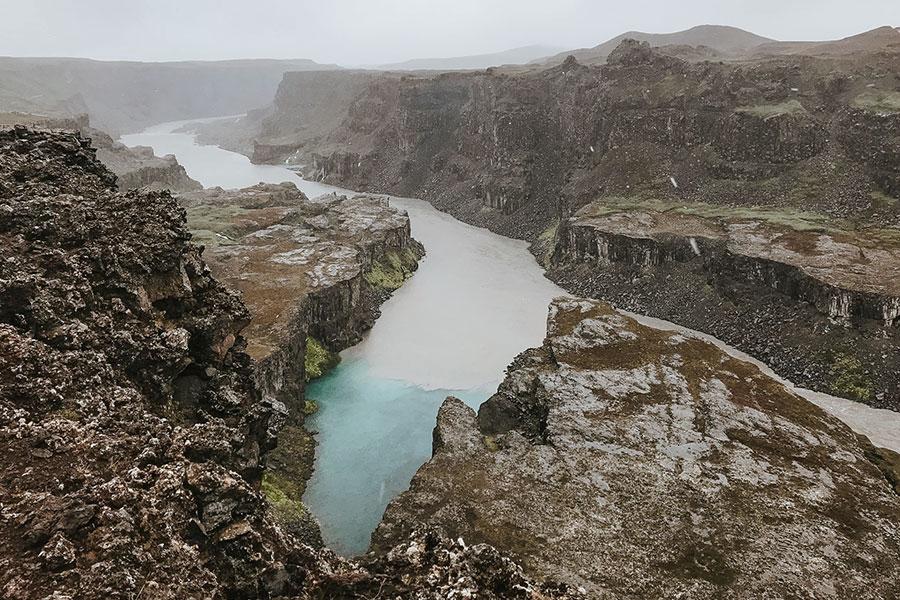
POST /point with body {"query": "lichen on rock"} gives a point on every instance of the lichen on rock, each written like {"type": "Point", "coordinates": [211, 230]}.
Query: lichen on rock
{"type": "Point", "coordinates": [642, 463]}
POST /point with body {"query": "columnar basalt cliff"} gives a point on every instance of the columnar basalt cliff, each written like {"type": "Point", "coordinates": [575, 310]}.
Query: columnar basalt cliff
{"type": "Point", "coordinates": [804, 142]}
{"type": "Point", "coordinates": [133, 435]}
{"type": "Point", "coordinates": [515, 151]}
{"type": "Point", "coordinates": [642, 463]}
{"type": "Point", "coordinates": [821, 307]}
{"type": "Point", "coordinates": [313, 274]}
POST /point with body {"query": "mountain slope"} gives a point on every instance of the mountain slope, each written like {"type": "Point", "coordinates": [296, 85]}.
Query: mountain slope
{"type": "Point", "coordinates": [728, 40]}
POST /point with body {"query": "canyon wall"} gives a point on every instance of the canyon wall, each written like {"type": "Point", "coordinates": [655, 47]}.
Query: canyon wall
{"type": "Point", "coordinates": [517, 151]}
{"type": "Point", "coordinates": [801, 142]}
{"type": "Point", "coordinates": [821, 310]}
{"type": "Point", "coordinates": [133, 437]}
{"type": "Point", "coordinates": [313, 274]}
{"type": "Point", "coordinates": [641, 463]}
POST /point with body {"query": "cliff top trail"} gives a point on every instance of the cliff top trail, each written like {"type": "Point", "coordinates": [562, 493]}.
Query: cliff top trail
{"type": "Point", "coordinates": [643, 463]}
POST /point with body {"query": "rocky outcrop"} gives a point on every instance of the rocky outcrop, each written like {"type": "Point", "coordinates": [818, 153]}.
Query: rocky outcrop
{"type": "Point", "coordinates": [134, 167]}
{"type": "Point", "coordinates": [773, 292]}
{"type": "Point", "coordinates": [133, 437]}
{"type": "Point", "coordinates": [642, 463]}
{"type": "Point", "coordinates": [313, 274]}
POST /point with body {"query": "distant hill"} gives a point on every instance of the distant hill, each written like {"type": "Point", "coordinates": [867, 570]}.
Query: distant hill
{"type": "Point", "coordinates": [128, 96]}
{"type": "Point", "coordinates": [721, 38]}
{"type": "Point", "coordinates": [516, 56]}
{"type": "Point", "coordinates": [877, 39]}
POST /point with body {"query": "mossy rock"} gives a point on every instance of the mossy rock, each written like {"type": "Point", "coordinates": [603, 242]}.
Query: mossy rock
{"type": "Point", "coordinates": [393, 269]}
{"type": "Point", "coordinates": [319, 360]}
{"type": "Point", "coordinates": [849, 380]}
{"type": "Point", "coordinates": [291, 514]}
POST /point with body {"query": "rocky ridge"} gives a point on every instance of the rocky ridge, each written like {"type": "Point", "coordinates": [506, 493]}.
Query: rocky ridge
{"type": "Point", "coordinates": [642, 463]}
{"type": "Point", "coordinates": [134, 167]}
{"type": "Point", "coordinates": [134, 435]}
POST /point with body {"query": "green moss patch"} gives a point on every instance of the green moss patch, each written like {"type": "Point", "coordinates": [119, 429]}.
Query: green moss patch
{"type": "Point", "coordinates": [393, 269]}
{"type": "Point", "coordinates": [878, 101]}
{"type": "Point", "coordinates": [771, 111]}
{"type": "Point", "coordinates": [849, 380]}
{"type": "Point", "coordinates": [319, 360]}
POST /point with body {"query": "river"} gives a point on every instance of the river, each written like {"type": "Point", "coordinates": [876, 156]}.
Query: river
{"type": "Point", "coordinates": [477, 300]}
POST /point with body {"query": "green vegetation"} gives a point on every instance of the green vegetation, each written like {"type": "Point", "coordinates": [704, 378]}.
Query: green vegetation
{"type": "Point", "coordinates": [545, 243]}
{"type": "Point", "coordinates": [212, 225]}
{"type": "Point", "coordinates": [491, 443]}
{"type": "Point", "coordinates": [878, 101]}
{"type": "Point", "coordinates": [289, 511]}
{"type": "Point", "coordinates": [310, 407]}
{"type": "Point", "coordinates": [319, 360]}
{"type": "Point", "coordinates": [391, 271]}
{"type": "Point", "coordinates": [770, 111]}
{"type": "Point", "coordinates": [881, 201]}
{"type": "Point", "coordinates": [849, 378]}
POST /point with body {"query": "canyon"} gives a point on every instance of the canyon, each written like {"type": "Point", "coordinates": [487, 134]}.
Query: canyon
{"type": "Point", "coordinates": [801, 142]}
{"type": "Point", "coordinates": [145, 428]}
{"type": "Point", "coordinates": [168, 359]}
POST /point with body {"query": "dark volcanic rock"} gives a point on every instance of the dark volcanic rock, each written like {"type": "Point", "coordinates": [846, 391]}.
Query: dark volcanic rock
{"type": "Point", "coordinates": [133, 167]}
{"type": "Point", "coordinates": [819, 307]}
{"type": "Point", "coordinates": [642, 463]}
{"type": "Point", "coordinates": [133, 436]}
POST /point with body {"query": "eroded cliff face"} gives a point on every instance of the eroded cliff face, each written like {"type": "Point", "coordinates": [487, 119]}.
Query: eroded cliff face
{"type": "Point", "coordinates": [313, 274]}
{"type": "Point", "coordinates": [803, 143]}
{"type": "Point", "coordinates": [516, 151]}
{"type": "Point", "coordinates": [642, 463]}
{"type": "Point", "coordinates": [133, 434]}
{"type": "Point", "coordinates": [821, 308]}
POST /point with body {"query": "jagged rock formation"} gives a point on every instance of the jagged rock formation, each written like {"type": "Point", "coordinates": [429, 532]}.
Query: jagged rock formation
{"type": "Point", "coordinates": [641, 463]}
{"type": "Point", "coordinates": [313, 273]}
{"type": "Point", "coordinates": [134, 167]}
{"type": "Point", "coordinates": [133, 436]}
{"type": "Point", "coordinates": [822, 307]}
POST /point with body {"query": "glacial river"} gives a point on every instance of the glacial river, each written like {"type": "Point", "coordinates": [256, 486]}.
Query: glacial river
{"type": "Point", "coordinates": [477, 300]}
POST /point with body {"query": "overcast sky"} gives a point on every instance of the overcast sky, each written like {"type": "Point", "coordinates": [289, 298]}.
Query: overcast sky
{"type": "Point", "coordinates": [377, 31]}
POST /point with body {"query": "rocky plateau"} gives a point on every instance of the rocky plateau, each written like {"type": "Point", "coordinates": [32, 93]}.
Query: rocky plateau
{"type": "Point", "coordinates": [640, 463]}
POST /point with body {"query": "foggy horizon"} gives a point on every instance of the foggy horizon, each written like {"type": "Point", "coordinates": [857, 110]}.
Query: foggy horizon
{"type": "Point", "coordinates": [357, 33]}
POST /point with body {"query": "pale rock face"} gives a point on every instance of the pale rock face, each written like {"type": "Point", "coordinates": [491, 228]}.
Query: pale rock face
{"type": "Point", "coordinates": [640, 463]}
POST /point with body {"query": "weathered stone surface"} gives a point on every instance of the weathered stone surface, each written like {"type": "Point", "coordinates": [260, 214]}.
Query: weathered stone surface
{"type": "Point", "coordinates": [133, 167]}
{"type": "Point", "coordinates": [641, 463]}
{"type": "Point", "coordinates": [133, 436]}
{"type": "Point", "coordinates": [312, 272]}
{"type": "Point", "coordinates": [772, 291]}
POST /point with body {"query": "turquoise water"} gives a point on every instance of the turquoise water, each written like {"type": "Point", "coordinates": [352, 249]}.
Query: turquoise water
{"type": "Point", "coordinates": [373, 436]}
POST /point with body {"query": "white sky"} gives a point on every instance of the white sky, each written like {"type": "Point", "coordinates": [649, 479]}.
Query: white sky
{"type": "Point", "coordinates": [379, 31]}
